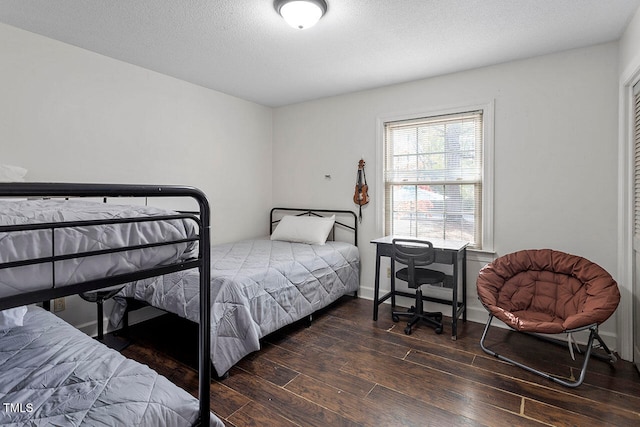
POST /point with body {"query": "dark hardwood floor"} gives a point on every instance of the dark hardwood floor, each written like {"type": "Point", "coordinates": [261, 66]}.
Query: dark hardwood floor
{"type": "Point", "coordinates": [346, 370]}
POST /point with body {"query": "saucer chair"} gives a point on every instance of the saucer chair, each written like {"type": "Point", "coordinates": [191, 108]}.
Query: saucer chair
{"type": "Point", "coordinates": [548, 292]}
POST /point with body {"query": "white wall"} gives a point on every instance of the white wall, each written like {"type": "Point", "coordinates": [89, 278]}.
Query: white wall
{"type": "Point", "coordinates": [67, 114]}
{"type": "Point", "coordinates": [629, 50]}
{"type": "Point", "coordinates": [555, 154]}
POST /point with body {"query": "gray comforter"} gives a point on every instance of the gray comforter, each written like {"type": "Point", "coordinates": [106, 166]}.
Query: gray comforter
{"type": "Point", "coordinates": [25, 245]}
{"type": "Point", "coordinates": [53, 374]}
{"type": "Point", "coordinates": [257, 287]}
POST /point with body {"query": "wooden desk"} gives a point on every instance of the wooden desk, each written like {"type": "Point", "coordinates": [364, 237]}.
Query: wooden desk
{"type": "Point", "coordinates": [451, 252]}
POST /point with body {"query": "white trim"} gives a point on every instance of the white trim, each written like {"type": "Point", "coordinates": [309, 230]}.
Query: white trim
{"type": "Point", "coordinates": [479, 315]}
{"type": "Point", "coordinates": [380, 121]}
{"type": "Point", "coordinates": [481, 256]}
{"type": "Point", "coordinates": [488, 178]}
{"type": "Point", "coordinates": [487, 108]}
{"type": "Point", "coordinates": [625, 276]}
{"type": "Point", "coordinates": [138, 316]}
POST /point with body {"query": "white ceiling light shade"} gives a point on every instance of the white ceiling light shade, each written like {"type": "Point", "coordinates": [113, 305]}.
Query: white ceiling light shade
{"type": "Point", "coordinates": [301, 14]}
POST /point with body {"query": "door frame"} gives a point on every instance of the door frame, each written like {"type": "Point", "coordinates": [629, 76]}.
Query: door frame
{"type": "Point", "coordinates": [625, 270]}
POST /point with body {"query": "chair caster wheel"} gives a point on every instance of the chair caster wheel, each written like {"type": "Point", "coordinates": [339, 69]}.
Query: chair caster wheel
{"type": "Point", "coordinates": [438, 331]}
{"type": "Point", "coordinates": [395, 318]}
{"type": "Point", "coordinates": [407, 330]}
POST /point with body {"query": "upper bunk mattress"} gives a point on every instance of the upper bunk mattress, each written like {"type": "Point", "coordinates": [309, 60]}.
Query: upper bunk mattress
{"type": "Point", "coordinates": [257, 287]}
{"type": "Point", "coordinates": [25, 245]}
{"type": "Point", "coordinates": [53, 374]}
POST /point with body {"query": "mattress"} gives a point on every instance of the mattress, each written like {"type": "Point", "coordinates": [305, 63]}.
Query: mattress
{"type": "Point", "coordinates": [25, 245]}
{"type": "Point", "coordinates": [53, 374]}
{"type": "Point", "coordinates": [257, 287]}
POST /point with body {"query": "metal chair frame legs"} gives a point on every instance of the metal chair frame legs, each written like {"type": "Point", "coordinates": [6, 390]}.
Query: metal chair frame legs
{"type": "Point", "coordinates": [433, 319]}
{"type": "Point", "coordinates": [593, 335]}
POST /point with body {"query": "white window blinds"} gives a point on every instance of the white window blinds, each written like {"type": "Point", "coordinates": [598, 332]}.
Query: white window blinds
{"type": "Point", "coordinates": [433, 177]}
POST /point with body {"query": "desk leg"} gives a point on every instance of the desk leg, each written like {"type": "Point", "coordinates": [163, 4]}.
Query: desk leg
{"type": "Point", "coordinates": [454, 302]}
{"type": "Point", "coordinates": [376, 288]}
{"type": "Point", "coordinates": [459, 267]}
{"type": "Point", "coordinates": [393, 283]}
{"type": "Point", "coordinates": [464, 284]}
{"type": "Point", "coordinates": [100, 314]}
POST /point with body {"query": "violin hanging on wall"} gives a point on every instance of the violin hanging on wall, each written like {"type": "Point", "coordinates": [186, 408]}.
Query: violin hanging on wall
{"type": "Point", "coordinates": [361, 196]}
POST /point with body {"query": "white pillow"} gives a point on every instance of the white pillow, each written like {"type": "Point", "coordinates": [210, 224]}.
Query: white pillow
{"type": "Point", "coordinates": [12, 317]}
{"type": "Point", "coordinates": [10, 173]}
{"type": "Point", "coordinates": [304, 229]}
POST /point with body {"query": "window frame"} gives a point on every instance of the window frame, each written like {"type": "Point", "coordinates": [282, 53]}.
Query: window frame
{"type": "Point", "coordinates": [487, 108]}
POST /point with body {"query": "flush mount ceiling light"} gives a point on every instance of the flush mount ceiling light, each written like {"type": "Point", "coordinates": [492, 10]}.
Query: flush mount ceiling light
{"type": "Point", "coordinates": [301, 14]}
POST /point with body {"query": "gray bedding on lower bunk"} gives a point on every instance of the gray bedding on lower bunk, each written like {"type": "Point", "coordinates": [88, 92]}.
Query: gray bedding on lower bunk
{"type": "Point", "coordinates": [53, 374]}
{"type": "Point", "coordinates": [257, 287]}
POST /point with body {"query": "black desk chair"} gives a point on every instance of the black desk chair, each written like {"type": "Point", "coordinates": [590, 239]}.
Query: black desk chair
{"type": "Point", "coordinates": [99, 296]}
{"type": "Point", "coordinates": [415, 254]}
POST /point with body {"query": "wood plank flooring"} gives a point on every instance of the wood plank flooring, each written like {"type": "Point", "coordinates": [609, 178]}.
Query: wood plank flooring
{"type": "Point", "coordinates": [346, 370]}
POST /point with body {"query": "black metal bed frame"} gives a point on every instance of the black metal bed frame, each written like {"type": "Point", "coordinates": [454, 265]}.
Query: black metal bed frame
{"type": "Point", "coordinates": [318, 213]}
{"type": "Point", "coordinates": [202, 262]}
{"type": "Point", "coordinates": [134, 304]}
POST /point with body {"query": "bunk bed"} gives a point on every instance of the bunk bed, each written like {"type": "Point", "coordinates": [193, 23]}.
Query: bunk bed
{"type": "Point", "coordinates": [258, 286]}
{"type": "Point", "coordinates": [53, 245]}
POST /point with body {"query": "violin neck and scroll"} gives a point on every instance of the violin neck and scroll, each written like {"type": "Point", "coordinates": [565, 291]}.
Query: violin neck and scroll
{"type": "Point", "coordinates": [361, 196]}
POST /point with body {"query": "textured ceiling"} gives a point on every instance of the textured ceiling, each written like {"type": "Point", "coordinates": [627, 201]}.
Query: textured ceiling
{"type": "Point", "coordinates": [243, 48]}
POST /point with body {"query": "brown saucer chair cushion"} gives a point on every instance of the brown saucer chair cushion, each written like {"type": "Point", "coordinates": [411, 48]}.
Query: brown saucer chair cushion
{"type": "Point", "coordinates": [547, 291]}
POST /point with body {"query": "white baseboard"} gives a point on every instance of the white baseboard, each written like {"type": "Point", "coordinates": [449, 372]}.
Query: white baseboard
{"type": "Point", "coordinates": [477, 314]}
{"type": "Point", "coordinates": [137, 316]}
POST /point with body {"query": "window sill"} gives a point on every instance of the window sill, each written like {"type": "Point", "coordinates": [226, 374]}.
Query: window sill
{"type": "Point", "coordinates": [478, 255]}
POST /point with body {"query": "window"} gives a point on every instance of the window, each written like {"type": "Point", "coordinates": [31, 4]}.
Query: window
{"type": "Point", "coordinates": [433, 177]}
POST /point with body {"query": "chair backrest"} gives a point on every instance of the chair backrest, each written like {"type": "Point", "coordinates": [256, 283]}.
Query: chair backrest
{"type": "Point", "coordinates": [413, 253]}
